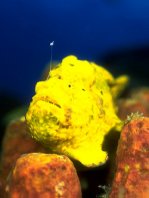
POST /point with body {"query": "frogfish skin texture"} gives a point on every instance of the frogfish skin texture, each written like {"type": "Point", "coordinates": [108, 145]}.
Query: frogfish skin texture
{"type": "Point", "coordinates": [74, 109]}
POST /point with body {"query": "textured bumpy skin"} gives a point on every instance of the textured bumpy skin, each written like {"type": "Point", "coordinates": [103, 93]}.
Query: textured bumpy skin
{"type": "Point", "coordinates": [132, 171]}
{"type": "Point", "coordinates": [73, 110]}
{"type": "Point", "coordinates": [38, 175]}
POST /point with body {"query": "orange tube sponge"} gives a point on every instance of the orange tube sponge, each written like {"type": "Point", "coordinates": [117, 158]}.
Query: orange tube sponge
{"type": "Point", "coordinates": [132, 174]}
{"type": "Point", "coordinates": [15, 143]}
{"type": "Point", "coordinates": [43, 175]}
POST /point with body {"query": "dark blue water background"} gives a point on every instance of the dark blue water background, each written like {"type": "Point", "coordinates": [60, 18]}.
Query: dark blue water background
{"type": "Point", "coordinates": [90, 29]}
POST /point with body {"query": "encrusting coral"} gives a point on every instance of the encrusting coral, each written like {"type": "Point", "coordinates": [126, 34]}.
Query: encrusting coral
{"type": "Point", "coordinates": [74, 109]}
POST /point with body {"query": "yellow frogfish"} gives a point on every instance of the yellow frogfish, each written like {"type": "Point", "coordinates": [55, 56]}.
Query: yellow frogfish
{"type": "Point", "coordinates": [74, 109]}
